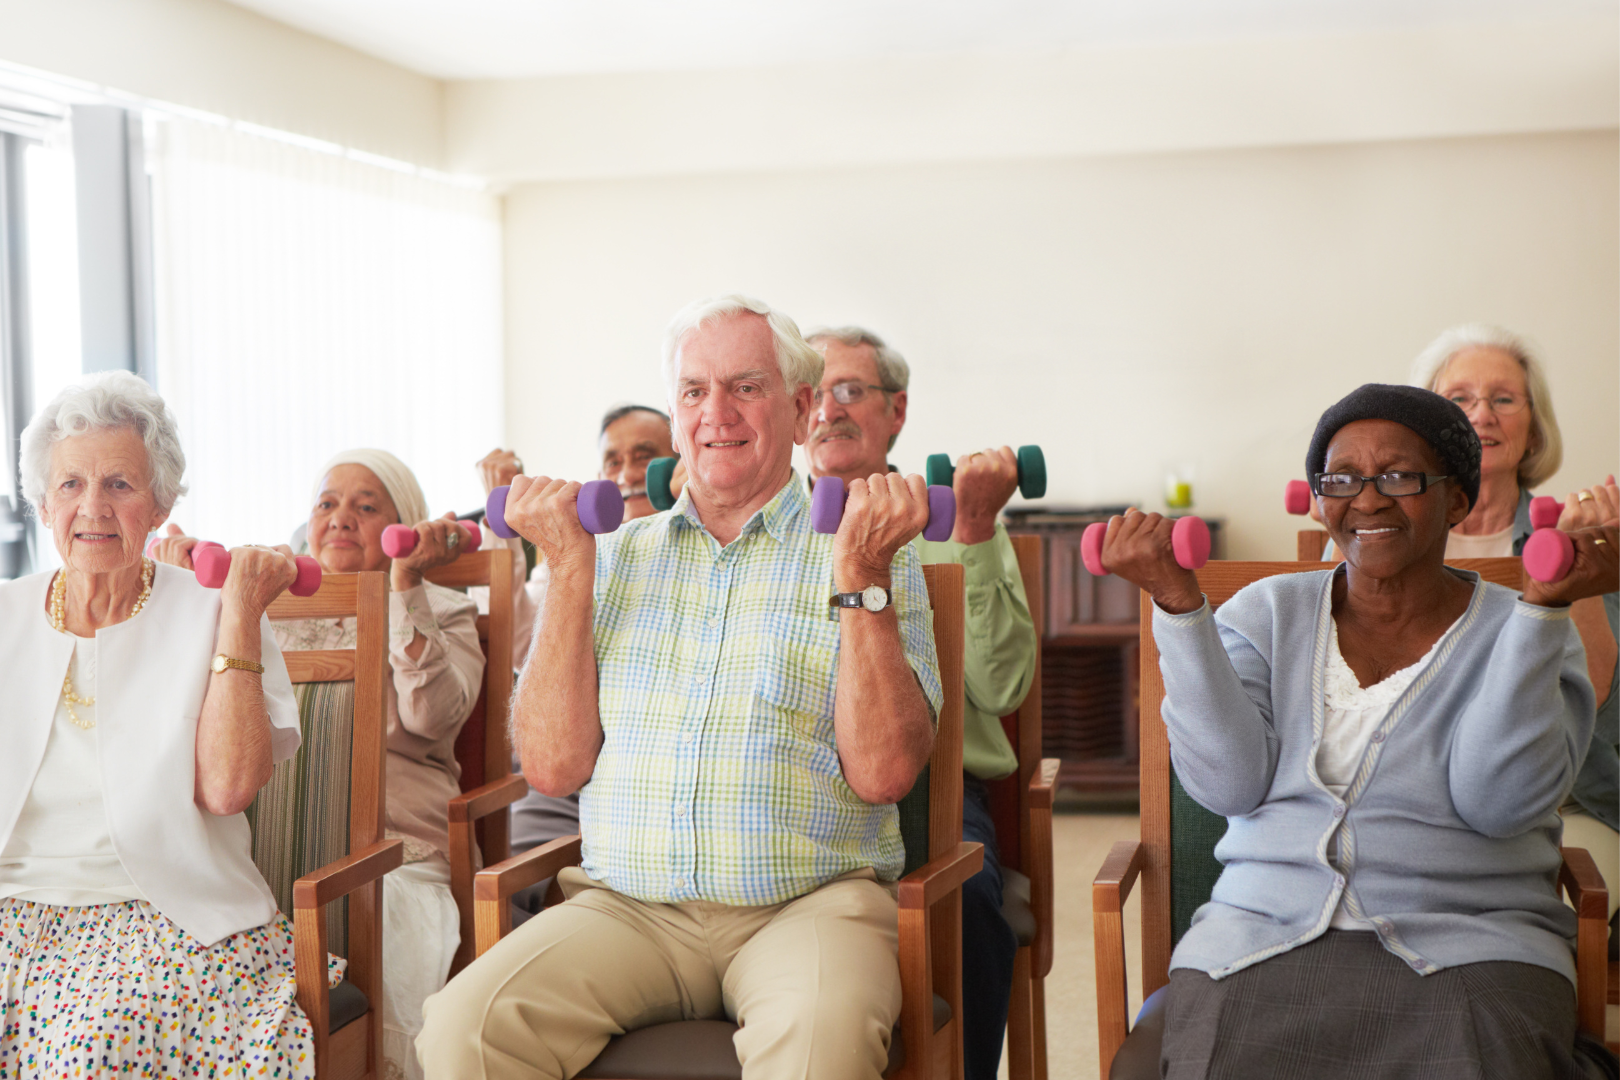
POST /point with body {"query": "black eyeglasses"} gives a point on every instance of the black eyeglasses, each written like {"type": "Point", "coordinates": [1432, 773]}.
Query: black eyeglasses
{"type": "Point", "coordinates": [1337, 485]}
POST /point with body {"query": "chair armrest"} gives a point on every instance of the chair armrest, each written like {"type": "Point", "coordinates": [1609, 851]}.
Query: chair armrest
{"type": "Point", "coordinates": [1038, 865]}
{"type": "Point", "coordinates": [483, 801]}
{"type": "Point", "coordinates": [934, 881]}
{"type": "Point", "coordinates": [1590, 897]}
{"type": "Point", "coordinates": [492, 888]}
{"type": "Point", "coordinates": [1109, 890]}
{"type": "Point", "coordinates": [337, 879]}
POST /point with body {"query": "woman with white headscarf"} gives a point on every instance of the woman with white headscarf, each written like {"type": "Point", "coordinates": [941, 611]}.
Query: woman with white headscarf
{"type": "Point", "coordinates": [438, 669]}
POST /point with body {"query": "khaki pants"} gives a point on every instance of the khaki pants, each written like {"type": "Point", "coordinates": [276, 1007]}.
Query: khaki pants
{"type": "Point", "coordinates": [813, 984]}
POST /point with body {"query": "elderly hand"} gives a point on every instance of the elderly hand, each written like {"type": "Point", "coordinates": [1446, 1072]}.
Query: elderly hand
{"type": "Point", "coordinates": [881, 515]}
{"type": "Point", "coordinates": [983, 483]}
{"type": "Point", "coordinates": [257, 576]}
{"type": "Point", "coordinates": [175, 547]}
{"type": "Point", "coordinates": [438, 543]}
{"type": "Point", "coordinates": [1137, 547]}
{"type": "Point", "coordinates": [1596, 569]}
{"type": "Point", "coordinates": [545, 512]}
{"type": "Point", "coordinates": [1590, 507]}
{"type": "Point", "coordinates": [498, 467]}
{"type": "Point", "coordinates": [677, 478]}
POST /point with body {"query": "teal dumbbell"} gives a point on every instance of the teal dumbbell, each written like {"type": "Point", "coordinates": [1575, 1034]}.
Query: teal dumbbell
{"type": "Point", "coordinates": [1031, 471]}
{"type": "Point", "coordinates": [660, 471]}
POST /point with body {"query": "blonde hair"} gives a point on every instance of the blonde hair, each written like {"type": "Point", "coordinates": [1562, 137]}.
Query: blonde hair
{"type": "Point", "coordinates": [1546, 450]}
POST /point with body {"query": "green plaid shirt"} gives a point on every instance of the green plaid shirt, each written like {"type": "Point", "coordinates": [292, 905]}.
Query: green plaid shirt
{"type": "Point", "coordinates": [718, 777]}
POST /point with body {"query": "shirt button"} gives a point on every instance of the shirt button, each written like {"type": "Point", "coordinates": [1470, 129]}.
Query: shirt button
{"type": "Point", "coordinates": [1338, 811]}
{"type": "Point", "coordinates": [1338, 879]}
{"type": "Point", "coordinates": [713, 623]}
{"type": "Point", "coordinates": [1378, 736]}
{"type": "Point", "coordinates": [680, 883]}
{"type": "Point", "coordinates": [680, 811]}
{"type": "Point", "coordinates": [701, 679]}
{"type": "Point", "coordinates": [686, 736]}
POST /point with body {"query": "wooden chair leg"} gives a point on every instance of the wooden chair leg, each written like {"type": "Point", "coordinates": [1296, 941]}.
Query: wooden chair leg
{"type": "Point", "coordinates": [1037, 994]}
{"type": "Point", "coordinates": [1021, 1021]}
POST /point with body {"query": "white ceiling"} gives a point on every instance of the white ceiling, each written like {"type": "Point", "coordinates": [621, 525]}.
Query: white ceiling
{"type": "Point", "coordinates": [498, 39]}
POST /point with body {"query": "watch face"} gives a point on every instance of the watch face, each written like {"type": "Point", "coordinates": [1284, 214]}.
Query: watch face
{"type": "Point", "coordinates": [873, 598]}
{"type": "Point", "coordinates": [219, 664]}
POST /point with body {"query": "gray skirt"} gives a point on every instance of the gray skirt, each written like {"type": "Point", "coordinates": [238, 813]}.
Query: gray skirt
{"type": "Point", "coordinates": [1343, 1007]}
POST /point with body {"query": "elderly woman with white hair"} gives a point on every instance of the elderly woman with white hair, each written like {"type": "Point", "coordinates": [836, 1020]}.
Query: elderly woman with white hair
{"type": "Point", "coordinates": [143, 713]}
{"type": "Point", "coordinates": [437, 668]}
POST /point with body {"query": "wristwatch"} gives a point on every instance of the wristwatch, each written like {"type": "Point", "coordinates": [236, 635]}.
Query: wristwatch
{"type": "Point", "coordinates": [873, 598]}
{"type": "Point", "coordinates": [221, 662]}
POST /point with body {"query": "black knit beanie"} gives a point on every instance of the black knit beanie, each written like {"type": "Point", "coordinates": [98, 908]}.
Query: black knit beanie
{"type": "Point", "coordinates": [1444, 426]}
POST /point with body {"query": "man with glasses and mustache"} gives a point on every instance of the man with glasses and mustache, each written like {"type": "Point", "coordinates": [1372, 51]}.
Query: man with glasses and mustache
{"type": "Point", "coordinates": [859, 409]}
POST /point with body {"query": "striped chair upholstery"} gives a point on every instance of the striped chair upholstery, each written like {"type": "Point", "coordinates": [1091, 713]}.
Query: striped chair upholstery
{"type": "Point", "coordinates": [300, 820]}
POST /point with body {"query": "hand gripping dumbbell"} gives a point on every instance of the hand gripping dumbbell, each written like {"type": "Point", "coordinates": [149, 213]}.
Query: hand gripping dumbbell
{"type": "Point", "coordinates": [213, 564]}
{"type": "Point", "coordinates": [828, 498]}
{"type": "Point", "coordinates": [660, 471]}
{"type": "Point", "coordinates": [600, 508]}
{"type": "Point", "coordinates": [1549, 552]}
{"type": "Point", "coordinates": [1031, 471]}
{"type": "Point", "coordinates": [399, 541]}
{"type": "Point", "coordinates": [1189, 540]}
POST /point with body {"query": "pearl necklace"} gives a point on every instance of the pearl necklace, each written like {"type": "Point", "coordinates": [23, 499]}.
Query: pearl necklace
{"type": "Point", "coordinates": [59, 624]}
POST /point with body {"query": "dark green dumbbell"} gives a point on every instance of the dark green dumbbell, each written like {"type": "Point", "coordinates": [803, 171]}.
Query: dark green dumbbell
{"type": "Point", "coordinates": [1031, 471]}
{"type": "Point", "coordinates": [660, 471]}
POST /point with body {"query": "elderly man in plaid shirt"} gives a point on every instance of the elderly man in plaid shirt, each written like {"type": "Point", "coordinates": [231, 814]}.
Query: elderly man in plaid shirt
{"type": "Point", "coordinates": [738, 733]}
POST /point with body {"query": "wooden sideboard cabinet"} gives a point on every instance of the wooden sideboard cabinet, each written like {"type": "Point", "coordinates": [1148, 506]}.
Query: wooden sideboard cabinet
{"type": "Point", "coordinates": [1089, 653]}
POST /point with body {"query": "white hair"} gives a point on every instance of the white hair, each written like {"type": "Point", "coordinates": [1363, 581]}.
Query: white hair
{"type": "Point", "coordinates": [1545, 452]}
{"type": "Point", "coordinates": [112, 399]}
{"type": "Point", "coordinates": [894, 374]}
{"type": "Point", "coordinates": [799, 363]}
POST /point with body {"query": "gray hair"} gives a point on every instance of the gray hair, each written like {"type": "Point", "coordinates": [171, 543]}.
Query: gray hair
{"type": "Point", "coordinates": [894, 374]}
{"type": "Point", "coordinates": [1546, 450]}
{"type": "Point", "coordinates": [799, 363]}
{"type": "Point", "coordinates": [112, 399]}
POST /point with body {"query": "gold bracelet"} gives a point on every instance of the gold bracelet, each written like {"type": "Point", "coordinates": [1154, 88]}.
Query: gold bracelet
{"type": "Point", "coordinates": [221, 662]}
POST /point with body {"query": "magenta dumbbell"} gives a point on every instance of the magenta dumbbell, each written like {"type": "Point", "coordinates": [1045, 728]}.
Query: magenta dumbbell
{"type": "Point", "coordinates": [828, 498]}
{"type": "Point", "coordinates": [1189, 540]}
{"type": "Point", "coordinates": [399, 541]}
{"type": "Point", "coordinates": [1297, 497]}
{"type": "Point", "coordinates": [213, 564]}
{"type": "Point", "coordinates": [600, 508]}
{"type": "Point", "coordinates": [1549, 552]}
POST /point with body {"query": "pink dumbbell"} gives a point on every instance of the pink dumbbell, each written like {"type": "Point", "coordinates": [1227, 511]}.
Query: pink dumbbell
{"type": "Point", "coordinates": [1297, 497]}
{"type": "Point", "coordinates": [213, 563]}
{"type": "Point", "coordinates": [600, 508]}
{"type": "Point", "coordinates": [1549, 553]}
{"type": "Point", "coordinates": [399, 541]}
{"type": "Point", "coordinates": [1189, 540]}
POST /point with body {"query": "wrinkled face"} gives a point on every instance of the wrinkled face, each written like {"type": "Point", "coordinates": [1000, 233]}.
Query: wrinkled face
{"type": "Point", "coordinates": [736, 423]}
{"type": "Point", "coordinates": [1381, 534]}
{"type": "Point", "coordinates": [99, 503]}
{"type": "Point", "coordinates": [628, 445]}
{"type": "Point", "coordinates": [1491, 375]}
{"type": "Point", "coordinates": [855, 438]}
{"type": "Point", "coordinates": [348, 519]}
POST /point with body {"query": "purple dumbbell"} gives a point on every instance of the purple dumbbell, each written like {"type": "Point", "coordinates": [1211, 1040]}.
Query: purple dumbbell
{"type": "Point", "coordinates": [600, 507]}
{"type": "Point", "coordinates": [828, 498]}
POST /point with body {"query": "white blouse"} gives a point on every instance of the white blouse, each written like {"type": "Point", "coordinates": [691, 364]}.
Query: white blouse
{"type": "Point", "coordinates": [152, 675]}
{"type": "Point", "coordinates": [1352, 713]}
{"type": "Point", "coordinates": [61, 851]}
{"type": "Point", "coordinates": [1495, 545]}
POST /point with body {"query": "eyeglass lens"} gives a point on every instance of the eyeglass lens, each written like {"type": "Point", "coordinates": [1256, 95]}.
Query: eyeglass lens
{"type": "Point", "coordinates": [1500, 404]}
{"type": "Point", "coordinates": [845, 393]}
{"type": "Point", "coordinates": [1392, 484]}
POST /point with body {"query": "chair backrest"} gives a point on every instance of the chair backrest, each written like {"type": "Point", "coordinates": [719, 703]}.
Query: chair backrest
{"type": "Point", "coordinates": [1009, 798]}
{"type": "Point", "coordinates": [931, 814]}
{"type": "Point", "coordinates": [482, 749]}
{"type": "Point", "coordinates": [327, 800]}
{"type": "Point", "coordinates": [1178, 835]}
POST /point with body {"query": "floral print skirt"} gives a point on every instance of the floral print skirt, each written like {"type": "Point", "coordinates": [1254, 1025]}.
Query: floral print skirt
{"type": "Point", "coordinates": [119, 990]}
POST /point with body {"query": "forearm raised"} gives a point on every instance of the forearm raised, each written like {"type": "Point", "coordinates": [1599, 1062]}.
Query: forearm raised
{"type": "Point", "coordinates": [556, 728]}
{"type": "Point", "coordinates": [880, 718]}
{"type": "Point", "coordinates": [233, 728]}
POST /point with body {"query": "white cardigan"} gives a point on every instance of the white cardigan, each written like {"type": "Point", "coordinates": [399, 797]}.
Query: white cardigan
{"type": "Point", "coordinates": [197, 869]}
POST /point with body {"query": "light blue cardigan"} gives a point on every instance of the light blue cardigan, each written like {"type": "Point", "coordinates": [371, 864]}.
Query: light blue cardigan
{"type": "Point", "coordinates": [1448, 836]}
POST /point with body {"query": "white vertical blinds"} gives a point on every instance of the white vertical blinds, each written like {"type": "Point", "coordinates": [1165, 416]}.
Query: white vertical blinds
{"type": "Point", "coordinates": [308, 303]}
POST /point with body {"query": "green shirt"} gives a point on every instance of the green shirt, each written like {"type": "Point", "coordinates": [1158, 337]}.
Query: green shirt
{"type": "Point", "coordinates": [999, 651]}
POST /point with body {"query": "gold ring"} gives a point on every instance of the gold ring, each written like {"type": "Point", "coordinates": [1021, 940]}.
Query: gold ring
{"type": "Point", "coordinates": [453, 539]}
{"type": "Point", "coordinates": [1585, 496]}
{"type": "Point", "coordinates": [1600, 540]}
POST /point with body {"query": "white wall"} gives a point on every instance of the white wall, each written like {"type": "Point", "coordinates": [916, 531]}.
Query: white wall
{"type": "Point", "coordinates": [209, 55]}
{"type": "Point", "coordinates": [1123, 312]}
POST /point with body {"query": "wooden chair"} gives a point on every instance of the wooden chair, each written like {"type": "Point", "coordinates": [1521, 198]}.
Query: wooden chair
{"type": "Point", "coordinates": [928, 1044]}
{"type": "Point", "coordinates": [1021, 806]}
{"type": "Point", "coordinates": [1175, 860]}
{"type": "Point", "coordinates": [311, 802]}
{"type": "Point", "coordinates": [480, 823]}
